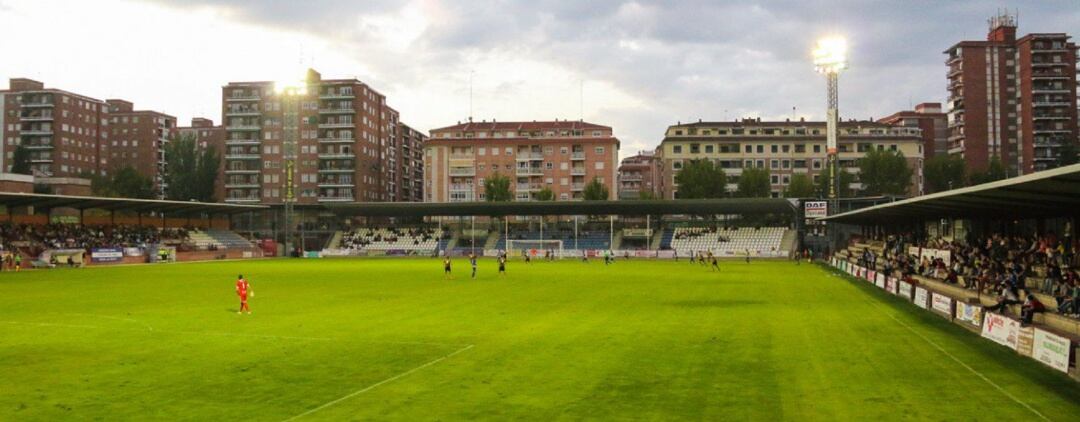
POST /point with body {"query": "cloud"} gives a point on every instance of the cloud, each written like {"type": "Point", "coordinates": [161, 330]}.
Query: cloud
{"type": "Point", "coordinates": [644, 64]}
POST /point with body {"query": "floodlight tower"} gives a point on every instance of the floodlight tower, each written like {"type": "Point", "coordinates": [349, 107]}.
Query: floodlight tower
{"type": "Point", "coordinates": [291, 94]}
{"type": "Point", "coordinates": [830, 57]}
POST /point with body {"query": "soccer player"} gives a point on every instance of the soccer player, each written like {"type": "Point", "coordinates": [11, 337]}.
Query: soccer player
{"type": "Point", "coordinates": [715, 262]}
{"type": "Point", "coordinates": [701, 258]}
{"type": "Point", "coordinates": [528, 256]}
{"type": "Point", "coordinates": [243, 289]}
{"type": "Point", "coordinates": [18, 261]}
{"type": "Point", "coordinates": [472, 261]}
{"type": "Point", "coordinates": [747, 255]}
{"type": "Point", "coordinates": [502, 265]}
{"type": "Point", "coordinates": [446, 268]}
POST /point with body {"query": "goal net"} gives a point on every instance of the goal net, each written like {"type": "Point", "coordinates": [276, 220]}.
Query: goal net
{"type": "Point", "coordinates": [535, 248]}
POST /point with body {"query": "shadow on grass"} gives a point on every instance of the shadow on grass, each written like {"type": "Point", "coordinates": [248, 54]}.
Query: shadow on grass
{"type": "Point", "coordinates": [715, 303]}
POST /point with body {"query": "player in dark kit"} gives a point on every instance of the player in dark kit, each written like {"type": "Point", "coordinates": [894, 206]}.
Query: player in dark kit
{"type": "Point", "coordinates": [502, 265]}
{"type": "Point", "coordinates": [446, 268]}
{"type": "Point", "coordinates": [243, 289]}
{"type": "Point", "coordinates": [472, 261]}
{"type": "Point", "coordinates": [715, 262]}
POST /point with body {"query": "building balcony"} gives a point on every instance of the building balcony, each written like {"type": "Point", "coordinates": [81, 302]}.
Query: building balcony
{"type": "Point", "coordinates": [336, 199]}
{"type": "Point", "coordinates": [1052, 103]}
{"type": "Point", "coordinates": [336, 184]}
{"type": "Point", "coordinates": [242, 199]}
{"type": "Point", "coordinates": [1049, 90]}
{"type": "Point", "coordinates": [243, 128]}
{"type": "Point", "coordinates": [528, 187]}
{"type": "Point", "coordinates": [577, 187]}
{"type": "Point", "coordinates": [1050, 130]}
{"type": "Point", "coordinates": [242, 171]}
{"type": "Point", "coordinates": [243, 98]}
{"type": "Point", "coordinates": [1050, 117]}
{"type": "Point", "coordinates": [243, 156]}
{"type": "Point", "coordinates": [530, 171]}
{"type": "Point", "coordinates": [37, 147]}
{"type": "Point", "coordinates": [245, 112]}
{"type": "Point", "coordinates": [37, 118]}
{"type": "Point", "coordinates": [337, 111]}
{"type": "Point", "coordinates": [337, 170]}
{"type": "Point", "coordinates": [230, 142]}
{"type": "Point", "coordinates": [41, 159]}
{"type": "Point", "coordinates": [462, 171]}
{"type": "Point", "coordinates": [1048, 64]}
{"type": "Point", "coordinates": [457, 188]}
{"type": "Point", "coordinates": [337, 140]}
{"type": "Point", "coordinates": [336, 95]}
{"type": "Point", "coordinates": [37, 104]}
{"type": "Point", "coordinates": [631, 178]}
{"type": "Point", "coordinates": [337, 125]}
{"type": "Point", "coordinates": [241, 185]}
{"type": "Point", "coordinates": [577, 155]}
{"type": "Point", "coordinates": [530, 156]}
{"type": "Point", "coordinates": [336, 156]}
{"type": "Point", "coordinates": [1048, 76]}
{"type": "Point", "coordinates": [577, 171]}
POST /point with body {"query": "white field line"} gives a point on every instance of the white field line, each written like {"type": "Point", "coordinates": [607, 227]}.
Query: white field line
{"type": "Point", "coordinates": [148, 327]}
{"type": "Point", "coordinates": [376, 385]}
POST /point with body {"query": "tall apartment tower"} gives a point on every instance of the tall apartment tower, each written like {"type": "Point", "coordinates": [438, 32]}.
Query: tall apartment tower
{"type": "Point", "coordinates": [342, 130]}
{"type": "Point", "coordinates": [639, 176]}
{"type": "Point", "coordinates": [64, 132]}
{"type": "Point", "coordinates": [562, 156]}
{"type": "Point", "coordinates": [206, 135]}
{"type": "Point", "coordinates": [138, 138]}
{"type": "Point", "coordinates": [1012, 99]}
{"type": "Point", "coordinates": [409, 171]}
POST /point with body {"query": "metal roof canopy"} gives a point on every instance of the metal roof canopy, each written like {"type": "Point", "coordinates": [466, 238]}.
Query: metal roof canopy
{"type": "Point", "coordinates": [1050, 193]}
{"type": "Point", "coordinates": [16, 199]}
{"type": "Point", "coordinates": [632, 207]}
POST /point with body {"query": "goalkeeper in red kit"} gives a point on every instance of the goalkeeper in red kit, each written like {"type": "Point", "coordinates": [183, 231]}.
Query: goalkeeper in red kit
{"type": "Point", "coordinates": [243, 289]}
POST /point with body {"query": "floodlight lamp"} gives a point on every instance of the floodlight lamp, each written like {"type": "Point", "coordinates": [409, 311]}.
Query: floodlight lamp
{"type": "Point", "coordinates": [830, 55]}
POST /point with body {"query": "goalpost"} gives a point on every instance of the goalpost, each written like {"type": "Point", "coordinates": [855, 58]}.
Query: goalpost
{"type": "Point", "coordinates": [534, 247]}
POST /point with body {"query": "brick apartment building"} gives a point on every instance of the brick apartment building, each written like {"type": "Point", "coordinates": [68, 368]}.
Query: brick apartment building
{"type": "Point", "coordinates": [206, 134]}
{"type": "Point", "coordinates": [933, 122]}
{"type": "Point", "coordinates": [783, 148]}
{"type": "Point", "coordinates": [408, 166]}
{"type": "Point", "coordinates": [344, 134]}
{"type": "Point", "coordinates": [138, 138]}
{"type": "Point", "coordinates": [1012, 98]}
{"type": "Point", "coordinates": [560, 155]}
{"type": "Point", "coordinates": [64, 132]}
{"type": "Point", "coordinates": [638, 176]}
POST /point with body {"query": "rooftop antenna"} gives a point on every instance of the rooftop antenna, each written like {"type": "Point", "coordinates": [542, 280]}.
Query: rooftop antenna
{"type": "Point", "coordinates": [581, 100]}
{"type": "Point", "coordinates": [471, 72]}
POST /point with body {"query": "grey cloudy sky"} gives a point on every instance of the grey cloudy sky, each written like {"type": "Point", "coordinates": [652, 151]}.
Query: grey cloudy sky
{"type": "Point", "coordinates": [642, 64]}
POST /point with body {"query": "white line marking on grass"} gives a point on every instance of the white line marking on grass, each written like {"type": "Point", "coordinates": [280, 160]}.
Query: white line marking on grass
{"type": "Point", "coordinates": [48, 324]}
{"type": "Point", "coordinates": [969, 368]}
{"type": "Point", "coordinates": [376, 385]}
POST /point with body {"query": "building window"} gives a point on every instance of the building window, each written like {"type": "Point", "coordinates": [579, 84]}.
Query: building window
{"type": "Point", "coordinates": [677, 149]}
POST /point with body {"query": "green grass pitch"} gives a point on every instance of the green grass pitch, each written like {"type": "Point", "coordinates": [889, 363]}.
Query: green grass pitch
{"type": "Point", "coordinates": [390, 339]}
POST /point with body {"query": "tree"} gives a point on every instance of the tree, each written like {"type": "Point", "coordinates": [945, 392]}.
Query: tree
{"type": "Point", "coordinates": [595, 191]}
{"type": "Point", "coordinates": [700, 179]}
{"type": "Point", "coordinates": [944, 172]}
{"type": "Point", "coordinates": [545, 194]}
{"type": "Point", "coordinates": [129, 183]}
{"type": "Point", "coordinates": [20, 161]}
{"type": "Point", "coordinates": [843, 189]}
{"type": "Point", "coordinates": [800, 186]}
{"type": "Point", "coordinates": [884, 172]}
{"type": "Point", "coordinates": [646, 195]}
{"type": "Point", "coordinates": [191, 172]}
{"type": "Point", "coordinates": [99, 185]}
{"type": "Point", "coordinates": [497, 188]}
{"type": "Point", "coordinates": [994, 172]}
{"type": "Point", "coordinates": [754, 183]}
{"type": "Point", "coordinates": [1068, 154]}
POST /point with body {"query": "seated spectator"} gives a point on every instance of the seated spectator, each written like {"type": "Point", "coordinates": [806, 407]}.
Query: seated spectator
{"type": "Point", "coordinates": [1031, 307]}
{"type": "Point", "coordinates": [1006, 297]}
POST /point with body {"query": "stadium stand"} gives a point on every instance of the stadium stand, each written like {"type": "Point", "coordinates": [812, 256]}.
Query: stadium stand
{"type": "Point", "coordinates": [727, 240]}
{"type": "Point", "coordinates": [74, 236]}
{"type": "Point", "coordinates": [384, 239]}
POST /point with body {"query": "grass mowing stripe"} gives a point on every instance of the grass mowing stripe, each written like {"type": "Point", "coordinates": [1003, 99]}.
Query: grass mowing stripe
{"type": "Point", "coordinates": [376, 385]}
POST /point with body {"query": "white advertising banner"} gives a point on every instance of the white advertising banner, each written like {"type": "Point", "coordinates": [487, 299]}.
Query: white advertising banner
{"type": "Point", "coordinates": [922, 296]}
{"type": "Point", "coordinates": [879, 280]}
{"type": "Point", "coordinates": [816, 209]}
{"type": "Point", "coordinates": [903, 289]}
{"type": "Point", "coordinates": [941, 303]}
{"type": "Point", "coordinates": [1002, 330]}
{"type": "Point", "coordinates": [890, 284]}
{"type": "Point", "coordinates": [1052, 349]}
{"type": "Point", "coordinates": [971, 314]}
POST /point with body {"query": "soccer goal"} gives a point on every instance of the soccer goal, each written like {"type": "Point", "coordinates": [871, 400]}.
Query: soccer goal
{"type": "Point", "coordinates": [534, 247]}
